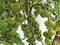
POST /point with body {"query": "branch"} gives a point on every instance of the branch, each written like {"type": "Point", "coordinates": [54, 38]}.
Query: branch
{"type": "Point", "coordinates": [40, 4]}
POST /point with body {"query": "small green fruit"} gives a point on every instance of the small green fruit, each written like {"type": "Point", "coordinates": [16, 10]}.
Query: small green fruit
{"type": "Point", "coordinates": [12, 32]}
{"type": "Point", "coordinates": [17, 35]}
{"type": "Point", "coordinates": [37, 7]}
{"type": "Point", "coordinates": [46, 34]}
{"type": "Point", "coordinates": [28, 35]}
{"type": "Point", "coordinates": [25, 27]}
{"type": "Point", "coordinates": [31, 40]}
{"type": "Point", "coordinates": [20, 20]}
{"type": "Point", "coordinates": [6, 6]}
{"type": "Point", "coordinates": [51, 32]}
{"type": "Point", "coordinates": [35, 25]}
{"type": "Point", "coordinates": [50, 23]}
{"type": "Point", "coordinates": [12, 21]}
{"type": "Point", "coordinates": [48, 41]}
{"type": "Point", "coordinates": [45, 13]}
{"type": "Point", "coordinates": [15, 7]}
{"type": "Point", "coordinates": [38, 32]}
{"type": "Point", "coordinates": [39, 38]}
{"type": "Point", "coordinates": [31, 18]}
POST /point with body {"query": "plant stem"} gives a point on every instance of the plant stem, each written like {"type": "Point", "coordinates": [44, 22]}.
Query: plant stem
{"type": "Point", "coordinates": [28, 14]}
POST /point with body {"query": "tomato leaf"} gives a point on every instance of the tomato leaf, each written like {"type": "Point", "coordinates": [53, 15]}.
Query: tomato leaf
{"type": "Point", "coordinates": [1, 9]}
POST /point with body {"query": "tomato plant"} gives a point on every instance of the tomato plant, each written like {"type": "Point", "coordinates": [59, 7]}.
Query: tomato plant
{"type": "Point", "coordinates": [11, 17]}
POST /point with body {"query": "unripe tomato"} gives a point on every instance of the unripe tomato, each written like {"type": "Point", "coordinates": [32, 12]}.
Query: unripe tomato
{"type": "Point", "coordinates": [45, 13]}
{"type": "Point", "coordinates": [6, 6]}
{"type": "Point", "coordinates": [50, 23]}
{"type": "Point", "coordinates": [12, 32]}
{"type": "Point", "coordinates": [35, 25]}
{"type": "Point", "coordinates": [56, 42]}
{"type": "Point", "coordinates": [39, 38]}
{"type": "Point", "coordinates": [20, 19]}
{"type": "Point", "coordinates": [51, 31]}
{"type": "Point", "coordinates": [31, 40]}
{"type": "Point", "coordinates": [37, 31]}
{"type": "Point", "coordinates": [31, 18]}
{"type": "Point", "coordinates": [15, 7]}
{"type": "Point", "coordinates": [25, 27]}
{"type": "Point", "coordinates": [48, 41]}
{"type": "Point", "coordinates": [37, 7]}
{"type": "Point", "coordinates": [17, 35]}
{"type": "Point", "coordinates": [28, 35]}
{"type": "Point", "coordinates": [46, 34]}
{"type": "Point", "coordinates": [12, 20]}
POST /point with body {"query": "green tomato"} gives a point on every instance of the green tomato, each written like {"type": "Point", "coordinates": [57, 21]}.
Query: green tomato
{"type": "Point", "coordinates": [51, 31]}
{"type": "Point", "coordinates": [45, 13]}
{"type": "Point", "coordinates": [25, 27]}
{"type": "Point", "coordinates": [31, 40]}
{"type": "Point", "coordinates": [22, 2]}
{"type": "Point", "coordinates": [50, 23]}
{"type": "Point", "coordinates": [31, 18]}
{"type": "Point", "coordinates": [17, 35]}
{"type": "Point", "coordinates": [38, 32]}
{"type": "Point", "coordinates": [35, 25]}
{"type": "Point", "coordinates": [6, 6]}
{"type": "Point", "coordinates": [56, 42]}
{"type": "Point", "coordinates": [20, 20]}
{"type": "Point", "coordinates": [39, 38]}
{"type": "Point", "coordinates": [48, 41]}
{"type": "Point", "coordinates": [15, 7]}
{"type": "Point", "coordinates": [11, 21]}
{"type": "Point", "coordinates": [46, 34]}
{"type": "Point", "coordinates": [28, 34]}
{"type": "Point", "coordinates": [12, 32]}
{"type": "Point", "coordinates": [37, 7]}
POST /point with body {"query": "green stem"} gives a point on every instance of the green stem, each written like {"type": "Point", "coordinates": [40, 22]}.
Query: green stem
{"type": "Point", "coordinates": [28, 14]}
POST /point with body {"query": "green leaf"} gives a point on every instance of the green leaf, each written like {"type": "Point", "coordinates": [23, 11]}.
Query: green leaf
{"type": "Point", "coordinates": [17, 41]}
{"type": "Point", "coordinates": [3, 27]}
{"type": "Point", "coordinates": [1, 9]}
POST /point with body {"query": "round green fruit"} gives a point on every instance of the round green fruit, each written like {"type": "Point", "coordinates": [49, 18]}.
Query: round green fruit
{"type": "Point", "coordinates": [35, 25]}
{"type": "Point", "coordinates": [50, 23]}
{"type": "Point", "coordinates": [46, 34]}
{"type": "Point", "coordinates": [28, 34]}
{"type": "Point", "coordinates": [51, 32]}
{"type": "Point", "coordinates": [31, 40]}
{"type": "Point", "coordinates": [15, 7]}
{"type": "Point", "coordinates": [11, 20]}
{"type": "Point", "coordinates": [17, 35]}
{"type": "Point", "coordinates": [31, 18]}
{"type": "Point", "coordinates": [45, 13]}
{"type": "Point", "coordinates": [25, 27]}
{"type": "Point", "coordinates": [20, 20]}
{"type": "Point", "coordinates": [39, 38]}
{"type": "Point", "coordinates": [6, 6]}
{"type": "Point", "coordinates": [48, 41]}
{"type": "Point", "coordinates": [12, 32]}
{"type": "Point", "coordinates": [37, 7]}
{"type": "Point", "coordinates": [38, 32]}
